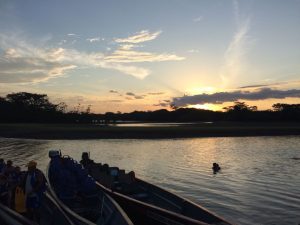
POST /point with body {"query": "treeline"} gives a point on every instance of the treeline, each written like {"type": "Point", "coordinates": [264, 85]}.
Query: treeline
{"type": "Point", "coordinates": [26, 107]}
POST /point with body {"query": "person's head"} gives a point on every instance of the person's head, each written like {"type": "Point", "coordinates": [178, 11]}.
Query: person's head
{"type": "Point", "coordinates": [1, 161]}
{"type": "Point", "coordinates": [17, 169]}
{"type": "Point", "coordinates": [132, 175]}
{"type": "Point", "coordinates": [85, 156]}
{"type": "Point", "coordinates": [31, 166]}
{"type": "Point", "coordinates": [105, 167]}
{"type": "Point", "coordinates": [9, 163]}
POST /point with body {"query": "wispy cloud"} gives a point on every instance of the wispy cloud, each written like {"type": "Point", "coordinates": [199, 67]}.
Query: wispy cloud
{"type": "Point", "coordinates": [156, 93]}
{"type": "Point", "coordinates": [255, 86]}
{"type": "Point", "coordinates": [162, 104]}
{"type": "Point", "coordinates": [221, 97]}
{"type": "Point", "coordinates": [127, 56]}
{"type": "Point", "coordinates": [234, 56]}
{"type": "Point", "coordinates": [198, 19]}
{"type": "Point", "coordinates": [134, 95]}
{"type": "Point", "coordinates": [22, 61]}
{"type": "Point", "coordinates": [113, 91]}
{"type": "Point", "coordinates": [281, 84]}
{"type": "Point", "coordinates": [193, 51]}
{"type": "Point", "coordinates": [71, 34]}
{"type": "Point", "coordinates": [95, 39]}
{"type": "Point", "coordinates": [130, 94]}
{"type": "Point", "coordinates": [139, 37]}
{"type": "Point", "coordinates": [62, 42]}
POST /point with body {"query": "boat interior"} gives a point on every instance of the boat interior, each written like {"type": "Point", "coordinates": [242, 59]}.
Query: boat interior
{"type": "Point", "coordinates": [77, 190]}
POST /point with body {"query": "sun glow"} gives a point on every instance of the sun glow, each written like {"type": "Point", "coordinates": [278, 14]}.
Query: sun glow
{"type": "Point", "coordinates": [200, 90]}
{"type": "Point", "coordinates": [206, 107]}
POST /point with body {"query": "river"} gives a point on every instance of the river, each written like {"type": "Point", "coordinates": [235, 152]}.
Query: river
{"type": "Point", "coordinates": [259, 182]}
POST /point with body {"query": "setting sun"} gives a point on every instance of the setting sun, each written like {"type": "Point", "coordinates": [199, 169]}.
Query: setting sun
{"type": "Point", "coordinates": [206, 106]}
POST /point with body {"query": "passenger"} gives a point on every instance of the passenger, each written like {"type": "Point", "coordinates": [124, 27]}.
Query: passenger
{"type": "Point", "coordinates": [3, 189]}
{"type": "Point", "coordinates": [132, 176]}
{"type": "Point", "coordinates": [105, 168]}
{"type": "Point", "coordinates": [17, 176]}
{"type": "Point", "coordinates": [14, 180]}
{"type": "Point", "coordinates": [2, 166]}
{"type": "Point", "coordinates": [85, 160]}
{"type": "Point", "coordinates": [34, 184]}
{"type": "Point", "coordinates": [9, 168]}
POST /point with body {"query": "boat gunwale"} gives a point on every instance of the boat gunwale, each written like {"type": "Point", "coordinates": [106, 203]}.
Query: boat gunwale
{"type": "Point", "coordinates": [63, 205]}
{"type": "Point", "coordinates": [153, 207]}
{"type": "Point", "coordinates": [186, 200]}
{"type": "Point", "coordinates": [16, 216]}
{"type": "Point", "coordinates": [157, 208]}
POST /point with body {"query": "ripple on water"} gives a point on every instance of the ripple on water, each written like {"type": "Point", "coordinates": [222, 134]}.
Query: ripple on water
{"type": "Point", "coordinates": [258, 184]}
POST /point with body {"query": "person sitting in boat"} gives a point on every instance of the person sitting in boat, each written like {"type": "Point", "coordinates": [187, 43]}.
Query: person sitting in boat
{"type": "Point", "coordinates": [85, 160]}
{"type": "Point", "coordinates": [216, 168]}
{"type": "Point", "coordinates": [9, 168]}
{"type": "Point", "coordinates": [14, 180]}
{"type": "Point", "coordinates": [2, 166]}
{"type": "Point", "coordinates": [3, 189]}
{"type": "Point", "coordinates": [34, 184]}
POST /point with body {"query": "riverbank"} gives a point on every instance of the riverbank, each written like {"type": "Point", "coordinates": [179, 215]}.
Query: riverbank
{"type": "Point", "coordinates": [88, 131]}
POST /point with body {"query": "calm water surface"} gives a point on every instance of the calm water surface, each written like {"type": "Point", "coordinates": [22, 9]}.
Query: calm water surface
{"type": "Point", "coordinates": [259, 182]}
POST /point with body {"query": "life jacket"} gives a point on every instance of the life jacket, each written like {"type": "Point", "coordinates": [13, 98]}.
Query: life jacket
{"type": "Point", "coordinates": [34, 181]}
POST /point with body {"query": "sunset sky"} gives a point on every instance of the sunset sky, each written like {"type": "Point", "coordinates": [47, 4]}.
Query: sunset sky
{"type": "Point", "coordinates": [131, 55]}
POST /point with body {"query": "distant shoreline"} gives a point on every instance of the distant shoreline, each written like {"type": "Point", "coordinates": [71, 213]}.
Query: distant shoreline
{"type": "Point", "coordinates": [87, 131]}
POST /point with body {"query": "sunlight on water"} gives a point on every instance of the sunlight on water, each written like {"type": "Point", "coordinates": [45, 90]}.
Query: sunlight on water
{"type": "Point", "coordinates": [258, 184]}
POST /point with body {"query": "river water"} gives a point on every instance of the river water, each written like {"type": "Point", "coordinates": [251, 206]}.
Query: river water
{"type": "Point", "coordinates": [259, 182]}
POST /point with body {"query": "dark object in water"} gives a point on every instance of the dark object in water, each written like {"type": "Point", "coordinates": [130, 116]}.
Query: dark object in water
{"type": "Point", "coordinates": [79, 196]}
{"type": "Point", "coordinates": [216, 168]}
{"type": "Point", "coordinates": [295, 158]}
{"type": "Point", "coordinates": [148, 204]}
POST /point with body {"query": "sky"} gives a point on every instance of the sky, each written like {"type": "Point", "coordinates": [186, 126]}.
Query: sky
{"type": "Point", "coordinates": [132, 55]}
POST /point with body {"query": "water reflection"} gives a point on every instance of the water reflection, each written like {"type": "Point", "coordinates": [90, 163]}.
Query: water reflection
{"type": "Point", "coordinates": [258, 174]}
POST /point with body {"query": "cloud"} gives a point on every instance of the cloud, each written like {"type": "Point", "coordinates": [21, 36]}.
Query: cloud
{"type": "Point", "coordinates": [193, 51]}
{"type": "Point", "coordinates": [234, 57]}
{"type": "Point", "coordinates": [62, 42]}
{"type": "Point", "coordinates": [139, 37]}
{"type": "Point", "coordinates": [282, 84]}
{"type": "Point", "coordinates": [71, 34]}
{"type": "Point", "coordinates": [221, 97]}
{"type": "Point", "coordinates": [139, 97]}
{"type": "Point", "coordinates": [162, 104]}
{"type": "Point", "coordinates": [126, 47]}
{"type": "Point", "coordinates": [122, 56]}
{"type": "Point", "coordinates": [130, 94]}
{"type": "Point", "coordinates": [156, 93]}
{"type": "Point", "coordinates": [134, 95]}
{"type": "Point", "coordinates": [198, 19]}
{"type": "Point", "coordinates": [116, 100]}
{"type": "Point", "coordinates": [255, 86]}
{"type": "Point", "coordinates": [23, 62]}
{"type": "Point", "coordinates": [113, 91]}
{"type": "Point", "coordinates": [91, 40]}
